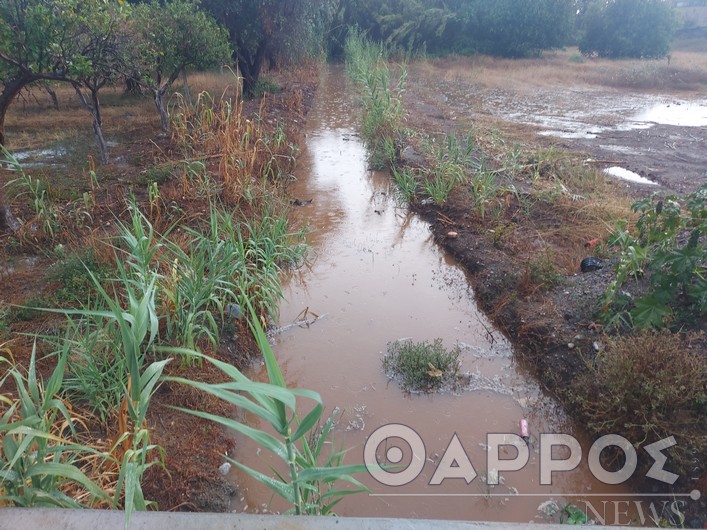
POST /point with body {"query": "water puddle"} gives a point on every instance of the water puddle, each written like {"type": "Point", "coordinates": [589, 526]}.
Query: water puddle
{"type": "Point", "coordinates": [625, 174]}
{"type": "Point", "coordinates": [678, 113]}
{"type": "Point", "coordinates": [30, 158]}
{"type": "Point", "coordinates": [378, 276]}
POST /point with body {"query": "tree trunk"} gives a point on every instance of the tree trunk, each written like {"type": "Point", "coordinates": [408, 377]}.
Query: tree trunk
{"type": "Point", "coordinates": [9, 91]}
{"type": "Point", "coordinates": [159, 103]}
{"type": "Point", "coordinates": [94, 107]}
{"type": "Point", "coordinates": [250, 69]}
{"type": "Point", "coordinates": [52, 95]}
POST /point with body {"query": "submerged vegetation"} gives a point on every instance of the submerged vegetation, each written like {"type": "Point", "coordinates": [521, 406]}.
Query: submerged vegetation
{"type": "Point", "coordinates": [422, 366]}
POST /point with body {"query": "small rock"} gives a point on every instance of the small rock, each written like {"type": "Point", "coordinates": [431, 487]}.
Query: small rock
{"type": "Point", "coordinates": [598, 346]}
{"type": "Point", "coordinates": [224, 468]}
{"type": "Point", "coordinates": [452, 234]}
{"type": "Point", "coordinates": [233, 310]}
{"type": "Point", "coordinates": [570, 345]}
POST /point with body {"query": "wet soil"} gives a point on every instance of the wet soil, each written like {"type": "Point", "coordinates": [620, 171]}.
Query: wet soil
{"type": "Point", "coordinates": [556, 330]}
{"type": "Point", "coordinates": [660, 136]}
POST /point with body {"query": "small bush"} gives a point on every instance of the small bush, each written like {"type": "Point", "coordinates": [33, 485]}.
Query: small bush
{"type": "Point", "coordinates": [265, 86]}
{"type": "Point", "coordinates": [670, 249]}
{"type": "Point", "coordinates": [74, 275]}
{"type": "Point", "coordinates": [421, 366]}
{"type": "Point", "coordinates": [648, 387]}
{"type": "Point", "coordinates": [543, 271]}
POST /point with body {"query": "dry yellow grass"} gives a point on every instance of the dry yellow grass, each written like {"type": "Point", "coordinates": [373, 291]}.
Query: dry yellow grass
{"type": "Point", "coordinates": [686, 70]}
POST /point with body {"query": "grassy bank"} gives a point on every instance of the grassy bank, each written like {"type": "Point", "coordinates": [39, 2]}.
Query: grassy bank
{"type": "Point", "coordinates": [521, 217]}
{"type": "Point", "coordinates": [135, 288]}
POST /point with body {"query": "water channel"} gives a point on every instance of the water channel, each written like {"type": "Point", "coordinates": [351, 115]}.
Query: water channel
{"type": "Point", "coordinates": [377, 276]}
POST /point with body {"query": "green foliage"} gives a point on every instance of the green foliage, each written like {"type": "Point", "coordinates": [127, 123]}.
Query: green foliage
{"type": "Point", "coordinates": [543, 271]}
{"type": "Point", "coordinates": [36, 192]}
{"type": "Point", "coordinates": [309, 484]}
{"type": "Point", "coordinates": [571, 514]}
{"type": "Point", "coordinates": [670, 249]}
{"type": "Point", "coordinates": [406, 181]}
{"type": "Point", "coordinates": [422, 366]}
{"type": "Point", "coordinates": [37, 461]}
{"type": "Point", "coordinates": [29, 310]}
{"type": "Point", "coordinates": [168, 38]}
{"type": "Point", "coordinates": [438, 187]}
{"type": "Point", "coordinates": [74, 274]}
{"type": "Point", "coordinates": [511, 28]}
{"type": "Point", "coordinates": [627, 28]}
{"type": "Point", "coordinates": [265, 85]}
{"type": "Point", "coordinates": [281, 31]}
{"type": "Point", "coordinates": [451, 159]}
{"type": "Point", "coordinates": [129, 333]}
{"type": "Point", "coordinates": [383, 110]}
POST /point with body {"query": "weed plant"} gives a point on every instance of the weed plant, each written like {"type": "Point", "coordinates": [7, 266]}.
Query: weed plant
{"type": "Point", "coordinates": [310, 482]}
{"type": "Point", "coordinates": [407, 183]}
{"type": "Point", "coordinates": [648, 386]}
{"type": "Point", "coordinates": [38, 464]}
{"type": "Point", "coordinates": [670, 249]}
{"type": "Point", "coordinates": [46, 214]}
{"type": "Point", "coordinates": [421, 366]}
{"type": "Point", "coordinates": [247, 150]}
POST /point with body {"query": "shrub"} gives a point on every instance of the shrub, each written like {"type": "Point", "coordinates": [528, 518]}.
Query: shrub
{"type": "Point", "coordinates": [670, 248]}
{"type": "Point", "coordinates": [647, 387]}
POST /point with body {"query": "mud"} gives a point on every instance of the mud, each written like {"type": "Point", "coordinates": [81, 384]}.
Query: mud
{"type": "Point", "coordinates": [609, 129]}
{"type": "Point", "coordinates": [661, 137]}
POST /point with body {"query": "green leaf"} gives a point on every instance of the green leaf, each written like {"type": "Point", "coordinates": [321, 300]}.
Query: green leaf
{"type": "Point", "coordinates": [650, 312]}
{"type": "Point", "coordinates": [308, 422]}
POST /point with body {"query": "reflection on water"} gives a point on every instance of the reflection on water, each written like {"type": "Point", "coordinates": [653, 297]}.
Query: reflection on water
{"type": "Point", "coordinates": [678, 113]}
{"type": "Point", "coordinates": [378, 276]}
{"type": "Point", "coordinates": [625, 174]}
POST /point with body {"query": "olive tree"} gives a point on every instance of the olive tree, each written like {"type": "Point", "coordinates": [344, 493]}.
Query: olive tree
{"type": "Point", "coordinates": [170, 38]}
{"type": "Point", "coordinates": [80, 42]}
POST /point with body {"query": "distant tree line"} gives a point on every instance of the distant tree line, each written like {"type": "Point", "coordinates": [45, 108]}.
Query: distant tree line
{"type": "Point", "coordinates": [93, 43]}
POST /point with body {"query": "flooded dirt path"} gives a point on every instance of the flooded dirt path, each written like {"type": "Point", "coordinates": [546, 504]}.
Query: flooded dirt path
{"type": "Point", "coordinates": [377, 276]}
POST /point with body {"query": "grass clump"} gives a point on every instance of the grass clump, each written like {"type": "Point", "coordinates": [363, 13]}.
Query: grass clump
{"type": "Point", "coordinates": [421, 366]}
{"type": "Point", "coordinates": [382, 100]}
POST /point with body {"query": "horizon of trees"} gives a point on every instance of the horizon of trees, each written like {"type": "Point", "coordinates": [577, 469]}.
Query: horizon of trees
{"type": "Point", "coordinates": [93, 43]}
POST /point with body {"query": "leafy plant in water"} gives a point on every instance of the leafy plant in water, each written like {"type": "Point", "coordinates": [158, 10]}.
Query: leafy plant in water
{"type": "Point", "coordinates": [671, 247]}
{"type": "Point", "coordinates": [383, 109]}
{"type": "Point", "coordinates": [308, 485]}
{"type": "Point", "coordinates": [406, 181]}
{"type": "Point", "coordinates": [422, 366]}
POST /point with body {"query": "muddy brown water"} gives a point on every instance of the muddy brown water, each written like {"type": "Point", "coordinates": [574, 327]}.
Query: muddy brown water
{"type": "Point", "coordinates": [377, 276]}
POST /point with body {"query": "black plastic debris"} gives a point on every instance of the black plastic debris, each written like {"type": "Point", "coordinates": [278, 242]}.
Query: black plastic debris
{"type": "Point", "coordinates": [591, 264]}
